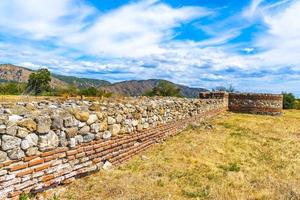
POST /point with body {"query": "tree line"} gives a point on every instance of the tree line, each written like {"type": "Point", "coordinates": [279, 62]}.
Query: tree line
{"type": "Point", "coordinates": [39, 84]}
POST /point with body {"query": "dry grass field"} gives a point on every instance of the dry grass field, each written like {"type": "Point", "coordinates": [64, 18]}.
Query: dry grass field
{"type": "Point", "coordinates": [233, 156]}
{"type": "Point", "coordinates": [11, 99]}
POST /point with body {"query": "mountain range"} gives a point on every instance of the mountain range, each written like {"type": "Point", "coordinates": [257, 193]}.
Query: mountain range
{"type": "Point", "coordinates": [13, 73]}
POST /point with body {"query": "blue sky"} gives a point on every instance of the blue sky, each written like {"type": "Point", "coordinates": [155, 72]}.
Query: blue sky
{"type": "Point", "coordinates": [253, 45]}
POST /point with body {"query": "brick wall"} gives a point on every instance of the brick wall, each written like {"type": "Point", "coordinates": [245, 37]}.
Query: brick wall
{"type": "Point", "coordinates": [44, 144]}
{"type": "Point", "coordinates": [253, 103]}
{"type": "Point", "coordinates": [265, 104]}
{"type": "Point", "coordinates": [63, 160]}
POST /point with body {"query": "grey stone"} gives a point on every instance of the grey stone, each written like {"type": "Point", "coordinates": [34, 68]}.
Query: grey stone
{"type": "Point", "coordinates": [84, 130]}
{"type": "Point", "coordinates": [25, 144]}
{"type": "Point", "coordinates": [99, 135]}
{"type": "Point", "coordinates": [107, 165]}
{"type": "Point", "coordinates": [10, 142]}
{"type": "Point", "coordinates": [111, 120]}
{"type": "Point", "coordinates": [48, 141]}
{"type": "Point", "coordinates": [79, 139]}
{"type": "Point", "coordinates": [12, 129]}
{"type": "Point", "coordinates": [135, 122]}
{"type": "Point", "coordinates": [43, 124]}
{"type": "Point", "coordinates": [15, 154]}
{"type": "Point", "coordinates": [32, 139]}
{"type": "Point", "coordinates": [95, 128]}
{"type": "Point", "coordinates": [88, 137]}
{"type": "Point", "coordinates": [72, 142]}
{"type": "Point", "coordinates": [119, 118]}
{"type": "Point", "coordinates": [81, 124]}
{"type": "Point", "coordinates": [32, 151]}
{"type": "Point", "coordinates": [57, 122]}
{"type": "Point", "coordinates": [62, 138]}
{"type": "Point", "coordinates": [14, 118]}
{"type": "Point", "coordinates": [145, 125]}
{"type": "Point", "coordinates": [22, 132]}
{"type": "Point", "coordinates": [92, 119]}
{"type": "Point", "coordinates": [106, 135]}
{"type": "Point", "coordinates": [53, 107]}
{"type": "Point", "coordinates": [2, 129]}
{"type": "Point", "coordinates": [69, 121]}
{"type": "Point", "coordinates": [3, 156]}
{"type": "Point", "coordinates": [128, 122]}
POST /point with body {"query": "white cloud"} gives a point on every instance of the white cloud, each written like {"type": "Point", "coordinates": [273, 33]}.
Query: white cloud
{"type": "Point", "coordinates": [248, 49]}
{"type": "Point", "coordinates": [280, 44]}
{"type": "Point", "coordinates": [134, 30]}
{"type": "Point", "coordinates": [43, 19]}
{"type": "Point", "coordinates": [253, 9]}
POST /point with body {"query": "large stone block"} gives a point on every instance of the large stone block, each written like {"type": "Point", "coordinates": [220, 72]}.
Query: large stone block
{"type": "Point", "coordinates": [43, 124]}
{"type": "Point", "coordinates": [10, 142]}
{"type": "Point", "coordinates": [48, 141]}
{"type": "Point", "coordinates": [28, 123]}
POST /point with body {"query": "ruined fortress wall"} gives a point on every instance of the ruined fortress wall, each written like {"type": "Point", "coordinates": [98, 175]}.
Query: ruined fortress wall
{"type": "Point", "coordinates": [47, 143]}
{"type": "Point", "coordinates": [223, 96]}
{"type": "Point", "coordinates": [266, 104]}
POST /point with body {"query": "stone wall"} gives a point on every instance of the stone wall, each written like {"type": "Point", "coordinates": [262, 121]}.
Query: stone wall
{"type": "Point", "coordinates": [266, 104]}
{"type": "Point", "coordinates": [46, 143]}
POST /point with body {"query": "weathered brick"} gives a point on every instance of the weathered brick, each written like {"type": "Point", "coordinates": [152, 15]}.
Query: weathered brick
{"type": "Point", "coordinates": [18, 166]}
{"type": "Point", "coordinates": [79, 155]}
{"type": "Point", "coordinates": [48, 153]}
{"type": "Point", "coordinates": [71, 152]}
{"type": "Point", "coordinates": [62, 155]}
{"type": "Point", "coordinates": [36, 161]}
{"type": "Point", "coordinates": [24, 172]}
{"type": "Point", "coordinates": [41, 167]}
{"type": "Point", "coordinates": [28, 158]}
{"type": "Point", "coordinates": [52, 157]}
{"type": "Point", "coordinates": [47, 177]}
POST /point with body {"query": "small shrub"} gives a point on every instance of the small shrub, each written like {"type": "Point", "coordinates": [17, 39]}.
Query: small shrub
{"type": "Point", "coordinates": [231, 167]}
{"type": "Point", "coordinates": [24, 196]}
{"type": "Point", "coordinates": [197, 193]}
{"type": "Point", "coordinates": [55, 197]}
{"type": "Point", "coordinates": [160, 183]}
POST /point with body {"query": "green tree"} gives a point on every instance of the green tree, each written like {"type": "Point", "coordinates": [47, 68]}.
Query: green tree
{"type": "Point", "coordinates": [289, 101]}
{"type": "Point", "coordinates": [39, 82]}
{"type": "Point", "coordinates": [164, 88]}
